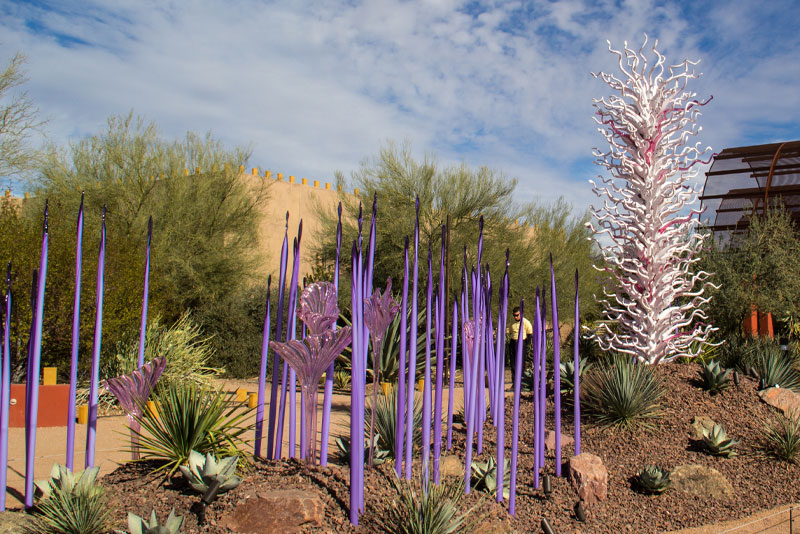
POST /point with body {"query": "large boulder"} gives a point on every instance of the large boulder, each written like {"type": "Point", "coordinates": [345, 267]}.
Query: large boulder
{"type": "Point", "coordinates": [700, 481]}
{"type": "Point", "coordinates": [280, 511]}
{"type": "Point", "coordinates": [588, 477]}
{"type": "Point", "coordinates": [783, 399]}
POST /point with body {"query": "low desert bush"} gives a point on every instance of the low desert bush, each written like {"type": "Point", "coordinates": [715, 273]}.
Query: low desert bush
{"type": "Point", "coordinates": [70, 506]}
{"type": "Point", "coordinates": [427, 508]}
{"type": "Point", "coordinates": [783, 439]}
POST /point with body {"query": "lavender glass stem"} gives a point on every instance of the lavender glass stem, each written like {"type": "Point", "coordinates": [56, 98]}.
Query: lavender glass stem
{"type": "Point", "coordinates": [262, 375]}
{"type": "Point", "coordinates": [355, 437]}
{"type": "Point", "coordinates": [401, 375]}
{"type": "Point", "coordinates": [5, 392]}
{"type": "Point", "coordinates": [556, 366]}
{"type": "Point", "coordinates": [91, 430]}
{"type": "Point", "coordinates": [143, 323]}
{"type": "Point", "coordinates": [274, 385]}
{"type": "Point", "coordinates": [543, 385]}
{"type": "Point", "coordinates": [326, 400]}
{"type": "Point", "coordinates": [537, 350]}
{"type": "Point", "coordinates": [576, 376]}
{"type": "Point", "coordinates": [76, 329]}
{"type": "Point", "coordinates": [451, 391]}
{"type": "Point", "coordinates": [440, 331]}
{"type": "Point", "coordinates": [412, 346]}
{"type": "Point", "coordinates": [512, 494]}
{"type": "Point", "coordinates": [501, 386]}
{"type": "Point", "coordinates": [426, 390]}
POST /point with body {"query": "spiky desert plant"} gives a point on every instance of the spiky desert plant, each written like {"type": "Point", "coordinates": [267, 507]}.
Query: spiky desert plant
{"type": "Point", "coordinates": [653, 479]}
{"type": "Point", "coordinates": [341, 379]}
{"type": "Point", "coordinates": [621, 392]}
{"type": "Point", "coordinates": [386, 423]}
{"type": "Point", "coordinates": [716, 441]}
{"type": "Point", "coordinates": [203, 471]}
{"type": "Point", "coordinates": [567, 370]}
{"type": "Point", "coordinates": [782, 438]}
{"type": "Point", "coordinates": [133, 390]}
{"type": "Point", "coordinates": [192, 417]}
{"type": "Point", "coordinates": [774, 366]}
{"type": "Point", "coordinates": [484, 476]}
{"type": "Point", "coordinates": [342, 452]}
{"type": "Point", "coordinates": [715, 378]}
{"type": "Point", "coordinates": [137, 525]}
{"type": "Point", "coordinates": [70, 506]}
{"type": "Point", "coordinates": [427, 508]}
{"type": "Point", "coordinates": [647, 239]}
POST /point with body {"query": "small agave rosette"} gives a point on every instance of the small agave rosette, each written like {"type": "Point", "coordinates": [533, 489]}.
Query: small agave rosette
{"type": "Point", "coordinates": [203, 471]}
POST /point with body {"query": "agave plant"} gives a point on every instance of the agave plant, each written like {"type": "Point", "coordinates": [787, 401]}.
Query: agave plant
{"type": "Point", "coordinates": [70, 506]}
{"type": "Point", "coordinates": [567, 370]}
{"type": "Point", "coordinates": [137, 525]}
{"type": "Point", "coordinates": [716, 441]}
{"type": "Point", "coordinates": [132, 391]}
{"type": "Point", "coordinates": [484, 476]}
{"type": "Point", "coordinates": [379, 310]}
{"type": "Point", "coordinates": [653, 479]}
{"type": "Point", "coordinates": [313, 355]}
{"type": "Point", "coordinates": [342, 452]}
{"type": "Point", "coordinates": [715, 377]}
{"type": "Point", "coordinates": [203, 471]}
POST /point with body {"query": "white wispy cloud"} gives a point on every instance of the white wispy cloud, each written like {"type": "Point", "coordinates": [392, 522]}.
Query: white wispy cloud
{"type": "Point", "coordinates": [315, 87]}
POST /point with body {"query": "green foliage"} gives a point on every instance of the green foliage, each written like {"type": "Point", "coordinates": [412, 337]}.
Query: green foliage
{"type": "Point", "coordinates": [653, 479]}
{"type": "Point", "coordinates": [484, 476]}
{"type": "Point", "coordinates": [716, 441]}
{"type": "Point", "coordinates": [773, 365]}
{"type": "Point", "coordinates": [187, 351]}
{"type": "Point", "coordinates": [757, 268]}
{"type": "Point", "coordinates": [205, 230]}
{"type": "Point", "coordinates": [782, 438]}
{"type": "Point", "coordinates": [567, 369]}
{"type": "Point", "coordinates": [69, 506]}
{"type": "Point", "coordinates": [341, 379]}
{"type": "Point", "coordinates": [192, 418]}
{"type": "Point", "coordinates": [137, 525]}
{"type": "Point", "coordinates": [19, 121]}
{"type": "Point", "coordinates": [203, 471]}
{"type": "Point", "coordinates": [715, 378]}
{"type": "Point", "coordinates": [463, 194]}
{"type": "Point", "coordinates": [421, 508]}
{"type": "Point", "coordinates": [622, 393]}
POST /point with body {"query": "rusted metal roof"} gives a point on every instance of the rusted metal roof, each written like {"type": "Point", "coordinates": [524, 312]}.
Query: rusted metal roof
{"type": "Point", "coordinates": [746, 180]}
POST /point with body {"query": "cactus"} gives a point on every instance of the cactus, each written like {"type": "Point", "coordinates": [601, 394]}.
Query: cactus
{"type": "Point", "coordinates": [717, 442]}
{"type": "Point", "coordinates": [653, 479]}
{"type": "Point", "coordinates": [137, 525]}
{"type": "Point", "coordinates": [203, 471]}
{"type": "Point", "coordinates": [715, 377]}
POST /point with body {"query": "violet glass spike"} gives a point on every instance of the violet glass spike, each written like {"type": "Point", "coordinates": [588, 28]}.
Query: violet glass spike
{"type": "Point", "coordinates": [318, 307]}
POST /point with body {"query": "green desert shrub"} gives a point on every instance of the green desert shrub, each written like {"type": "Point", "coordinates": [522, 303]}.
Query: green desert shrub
{"type": "Point", "coordinates": [192, 417]}
{"type": "Point", "coordinates": [773, 366]}
{"type": "Point", "coordinates": [421, 508]}
{"type": "Point", "coordinates": [70, 506]}
{"type": "Point", "coordinates": [620, 392]}
{"type": "Point", "coordinates": [782, 439]}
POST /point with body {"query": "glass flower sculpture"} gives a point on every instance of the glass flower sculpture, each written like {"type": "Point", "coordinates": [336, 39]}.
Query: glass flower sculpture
{"type": "Point", "coordinates": [132, 392]}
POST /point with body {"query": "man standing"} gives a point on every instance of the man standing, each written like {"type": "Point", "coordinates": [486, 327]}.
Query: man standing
{"type": "Point", "coordinates": [512, 335]}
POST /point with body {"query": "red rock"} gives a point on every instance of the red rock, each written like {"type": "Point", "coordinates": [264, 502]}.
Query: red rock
{"type": "Point", "coordinates": [588, 477]}
{"type": "Point", "coordinates": [784, 399]}
{"type": "Point", "coordinates": [287, 511]}
{"type": "Point", "coordinates": [550, 440]}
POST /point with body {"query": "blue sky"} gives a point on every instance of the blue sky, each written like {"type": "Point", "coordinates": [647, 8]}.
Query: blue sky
{"type": "Point", "coordinates": [315, 87]}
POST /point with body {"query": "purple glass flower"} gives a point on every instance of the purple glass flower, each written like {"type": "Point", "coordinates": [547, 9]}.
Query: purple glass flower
{"type": "Point", "coordinates": [132, 392]}
{"type": "Point", "coordinates": [310, 358]}
{"type": "Point", "coordinates": [469, 335]}
{"type": "Point", "coordinates": [318, 307]}
{"type": "Point", "coordinates": [379, 310]}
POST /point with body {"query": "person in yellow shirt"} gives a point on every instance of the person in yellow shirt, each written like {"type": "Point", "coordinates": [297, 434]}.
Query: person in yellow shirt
{"type": "Point", "coordinates": [512, 335]}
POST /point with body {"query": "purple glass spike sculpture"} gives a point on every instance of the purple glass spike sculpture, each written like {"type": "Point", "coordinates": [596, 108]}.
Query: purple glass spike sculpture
{"type": "Point", "coordinates": [143, 324]}
{"type": "Point", "coordinates": [379, 311]}
{"type": "Point", "coordinates": [132, 392]}
{"type": "Point", "coordinates": [91, 427]}
{"type": "Point", "coordinates": [5, 391]}
{"type": "Point", "coordinates": [76, 323]}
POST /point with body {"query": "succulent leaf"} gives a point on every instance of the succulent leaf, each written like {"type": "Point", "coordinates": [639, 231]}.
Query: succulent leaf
{"type": "Point", "coordinates": [204, 471]}
{"type": "Point", "coordinates": [653, 479]}
{"type": "Point", "coordinates": [717, 442]}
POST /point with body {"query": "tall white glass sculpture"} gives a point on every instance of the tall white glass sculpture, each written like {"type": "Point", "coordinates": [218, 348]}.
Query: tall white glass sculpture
{"type": "Point", "coordinates": [653, 299]}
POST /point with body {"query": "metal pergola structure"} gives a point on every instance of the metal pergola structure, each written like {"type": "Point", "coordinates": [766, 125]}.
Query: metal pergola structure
{"type": "Point", "coordinates": [745, 181]}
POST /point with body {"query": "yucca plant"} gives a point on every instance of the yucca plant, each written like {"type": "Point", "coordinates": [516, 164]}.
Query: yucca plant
{"type": "Point", "coordinates": [70, 506]}
{"type": "Point", "coordinates": [783, 438]}
{"type": "Point", "coordinates": [715, 378]}
{"type": "Point", "coordinates": [567, 370]}
{"type": "Point", "coordinates": [716, 442]}
{"type": "Point", "coordinates": [621, 393]}
{"type": "Point", "coordinates": [653, 479]}
{"type": "Point", "coordinates": [341, 379]}
{"type": "Point", "coordinates": [137, 525]}
{"type": "Point", "coordinates": [192, 417]}
{"type": "Point", "coordinates": [774, 366]}
{"type": "Point", "coordinates": [203, 471]}
{"type": "Point", "coordinates": [484, 476]}
{"type": "Point", "coordinates": [386, 419]}
{"type": "Point", "coordinates": [421, 508]}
